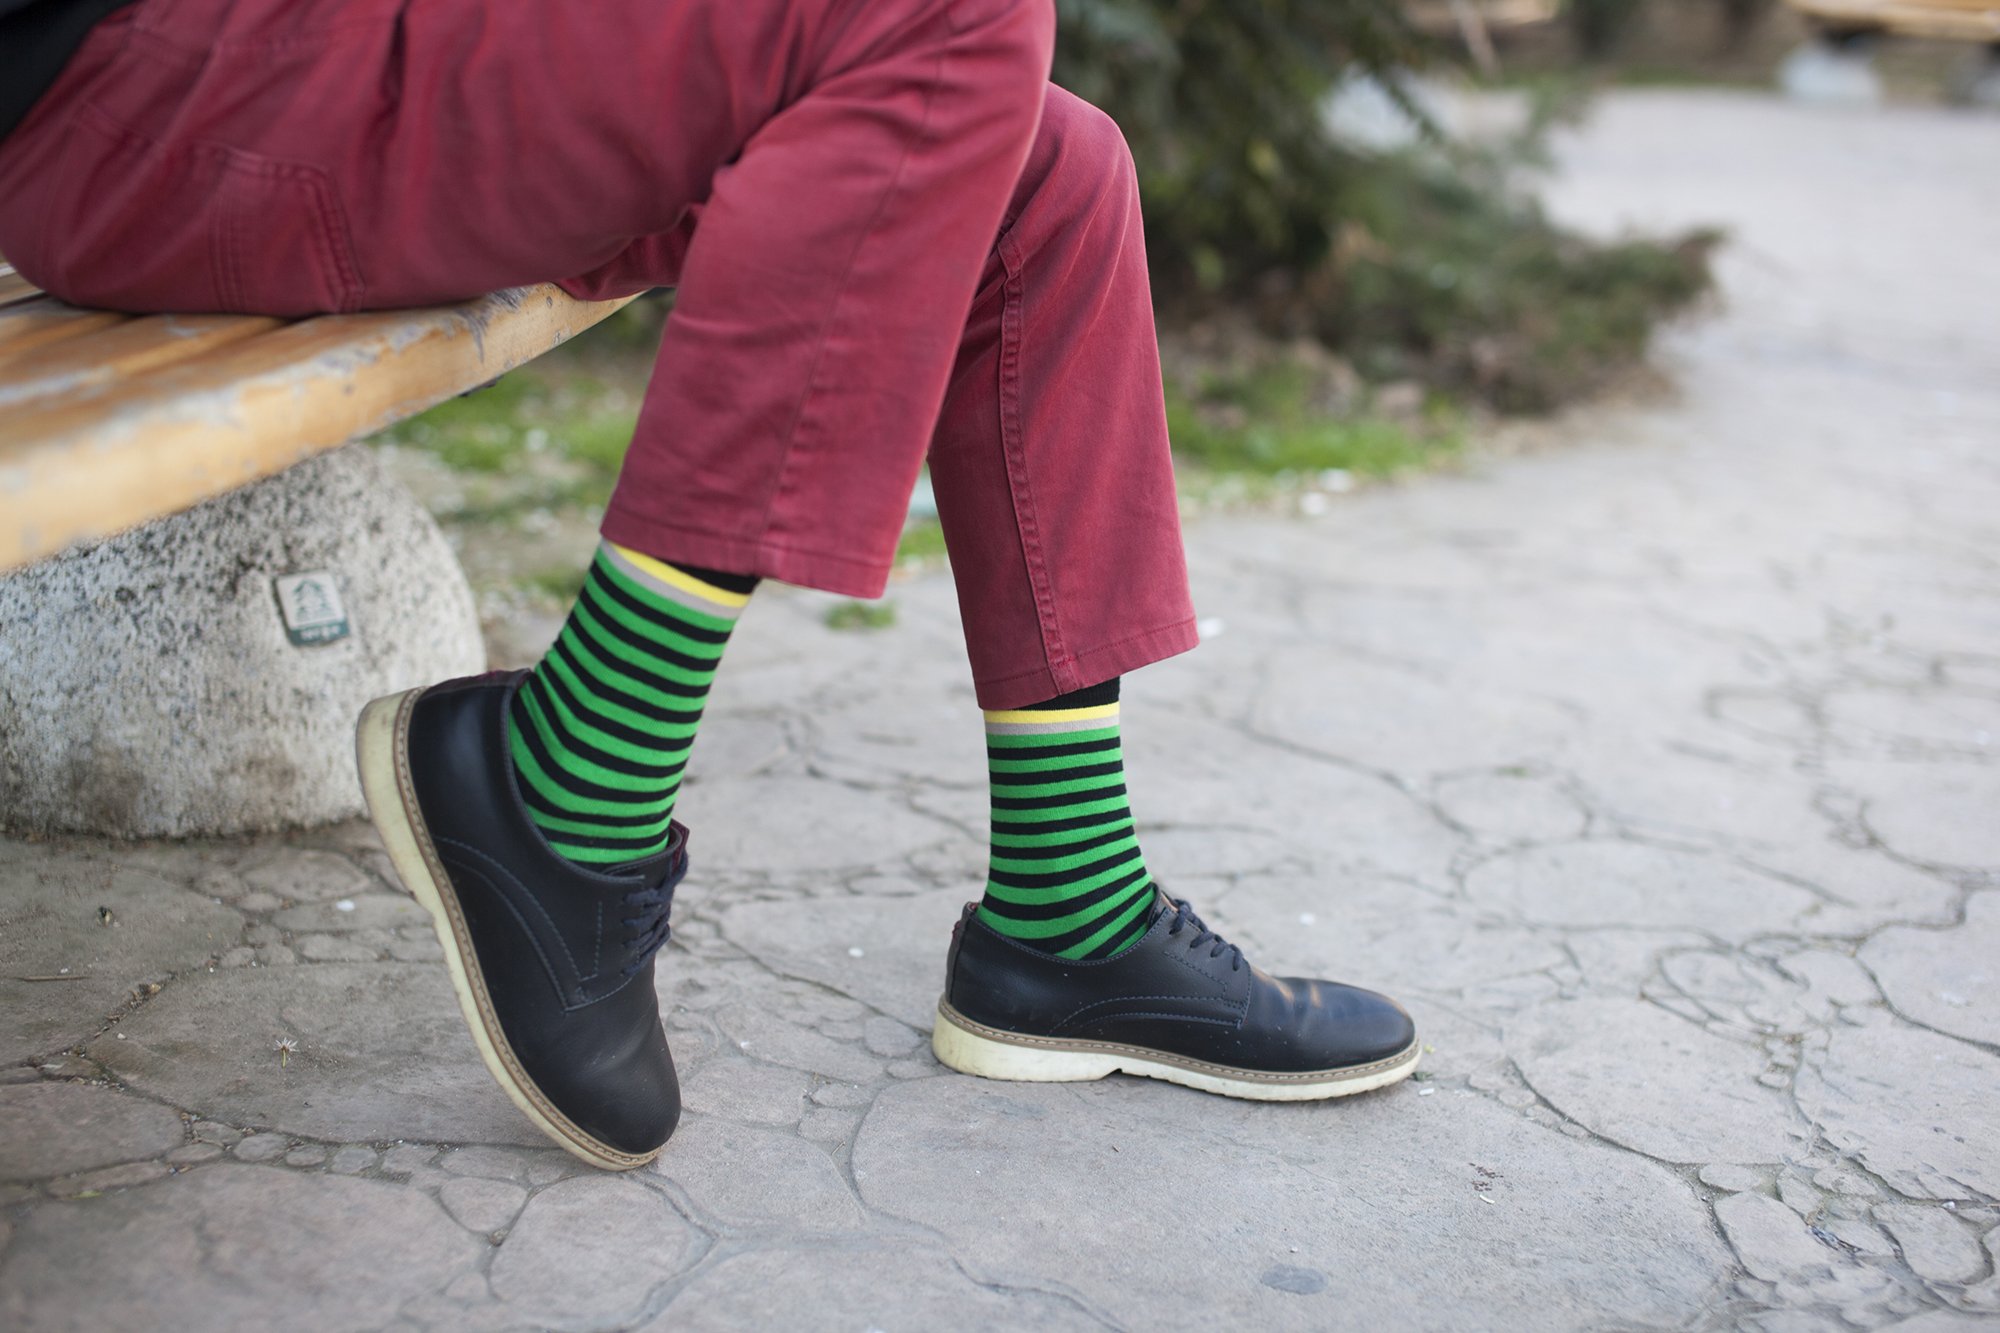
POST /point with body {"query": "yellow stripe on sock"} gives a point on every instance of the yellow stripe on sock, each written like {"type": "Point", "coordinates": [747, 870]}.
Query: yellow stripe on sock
{"type": "Point", "coordinates": [1031, 715]}
{"type": "Point", "coordinates": [681, 579]}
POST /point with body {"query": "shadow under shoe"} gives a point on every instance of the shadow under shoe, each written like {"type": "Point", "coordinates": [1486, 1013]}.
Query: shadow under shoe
{"type": "Point", "coordinates": [1181, 1004]}
{"type": "Point", "coordinates": [552, 962]}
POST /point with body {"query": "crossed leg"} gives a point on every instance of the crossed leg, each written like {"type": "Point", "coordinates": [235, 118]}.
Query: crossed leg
{"type": "Point", "coordinates": [891, 239]}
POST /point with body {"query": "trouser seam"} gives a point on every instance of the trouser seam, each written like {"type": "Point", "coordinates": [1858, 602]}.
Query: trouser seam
{"type": "Point", "coordinates": [1027, 519]}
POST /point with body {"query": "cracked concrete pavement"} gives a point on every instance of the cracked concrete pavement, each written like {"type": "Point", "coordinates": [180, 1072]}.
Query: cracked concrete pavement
{"type": "Point", "coordinates": [1655, 767]}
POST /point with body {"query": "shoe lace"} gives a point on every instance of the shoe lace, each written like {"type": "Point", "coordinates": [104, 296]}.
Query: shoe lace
{"type": "Point", "coordinates": [648, 920]}
{"type": "Point", "coordinates": [1184, 917]}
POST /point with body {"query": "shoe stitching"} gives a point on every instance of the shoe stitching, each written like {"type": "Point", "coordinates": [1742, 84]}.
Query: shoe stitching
{"type": "Point", "coordinates": [1075, 1016]}
{"type": "Point", "coordinates": [1180, 956]}
{"type": "Point", "coordinates": [506, 901]}
{"type": "Point", "coordinates": [1177, 1018]}
{"type": "Point", "coordinates": [584, 999]}
{"type": "Point", "coordinates": [514, 879]}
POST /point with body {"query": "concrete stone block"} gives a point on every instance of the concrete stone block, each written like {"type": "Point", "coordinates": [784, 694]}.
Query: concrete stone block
{"type": "Point", "coordinates": [1916, 1108]}
{"type": "Point", "coordinates": [152, 685]}
{"type": "Point", "coordinates": [873, 1288]}
{"type": "Point", "coordinates": [1553, 1224]}
{"type": "Point", "coordinates": [740, 1176]}
{"type": "Point", "coordinates": [381, 1054]}
{"type": "Point", "coordinates": [1945, 979]}
{"type": "Point", "coordinates": [55, 1129]}
{"type": "Point", "coordinates": [481, 1205]}
{"type": "Point", "coordinates": [1771, 1239]}
{"type": "Point", "coordinates": [242, 1243]}
{"type": "Point", "coordinates": [54, 924]}
{"type": "Point", "coordinates": [1633, 884]}
{"type": "Point", "coordinates": [746, 1090]}
{"type": "Point", "coordinates": [586, 1253]}
{"type": "Point", "coordinates": [1936, 1245]}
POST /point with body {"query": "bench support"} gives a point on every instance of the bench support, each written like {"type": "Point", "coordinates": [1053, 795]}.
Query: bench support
{"type": "Point", "coordinates": [200, 675]}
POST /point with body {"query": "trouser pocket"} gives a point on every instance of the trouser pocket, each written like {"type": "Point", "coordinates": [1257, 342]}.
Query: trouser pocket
{"type": "Point", "coordinates": [141, 224]}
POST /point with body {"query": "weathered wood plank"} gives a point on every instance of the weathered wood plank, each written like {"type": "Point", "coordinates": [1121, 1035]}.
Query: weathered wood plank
{"type": "Point", "coordinates": [117, 452]}
{"type": "Point", "coordinates": [1446, 17]}
{"type": "Point", "coordinates": [1948, 20]}
{"type": "Point", "coordinates": [117, 351]}
{"type": "Point", "coordinates": [41, 321]}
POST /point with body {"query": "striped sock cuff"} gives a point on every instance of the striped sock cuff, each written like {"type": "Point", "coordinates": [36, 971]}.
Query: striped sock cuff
{"type": "Point", "coordinates": [1031, 722]}
{"type": "Point", "coordinates": [660, 579]}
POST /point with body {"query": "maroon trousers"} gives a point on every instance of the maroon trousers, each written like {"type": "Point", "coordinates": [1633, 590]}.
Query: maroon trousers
{"type": "Point", "coordinates": [892, 239]}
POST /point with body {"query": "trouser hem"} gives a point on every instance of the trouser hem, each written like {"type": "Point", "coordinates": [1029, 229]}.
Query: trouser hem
{"type": "Point", "coordinates": [1092, 666]}
{"type": "Point", "coordinates": [825, 571]}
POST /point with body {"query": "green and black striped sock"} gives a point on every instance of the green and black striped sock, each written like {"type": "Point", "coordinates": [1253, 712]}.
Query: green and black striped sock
{"type": "Point", "coordinates": [1066, 876]}
{"type": "Point", "coordinates": [601, 728]}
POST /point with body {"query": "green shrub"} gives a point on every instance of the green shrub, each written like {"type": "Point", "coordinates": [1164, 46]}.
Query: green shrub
{"type": "Point", "coordinates": [1221, 101]}
{"type": "Point", "coordinates": [1424, 263]}
{"type": "Point", "coordinates": [1449, 275]}
{"type": "Point", "coordinates": [1266, 421]}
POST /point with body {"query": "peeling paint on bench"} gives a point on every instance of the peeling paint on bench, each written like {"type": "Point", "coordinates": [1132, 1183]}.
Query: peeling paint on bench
{"type": "Point", "coordinates": [107, 421]}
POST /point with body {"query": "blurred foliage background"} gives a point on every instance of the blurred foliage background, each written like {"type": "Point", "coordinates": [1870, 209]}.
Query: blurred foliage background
{"type": "Point", "coordinates": [1222, 102]}
{"type": "Point", "coordinates": [1422, 261]}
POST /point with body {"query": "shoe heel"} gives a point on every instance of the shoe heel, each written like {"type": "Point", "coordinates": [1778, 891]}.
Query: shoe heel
{"type": "Point", "coordinates": [376, 745]}
{"type": "Point", "coordinates": [378, 749]}
{"type": "Point", "coordinates": [958, 1046]}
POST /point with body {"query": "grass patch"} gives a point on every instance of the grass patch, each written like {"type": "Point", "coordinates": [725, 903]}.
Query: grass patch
{"type": "Point", "coordinates": [574, 428]}
{"type": "Point", "coordinates": [922, 542]}
{"type": "Point", "coordinates": [861, 615]}
{"type": "Point", "coordinates": [1265, 421]}
{"type": "Point", "coordinates": [559, 585]}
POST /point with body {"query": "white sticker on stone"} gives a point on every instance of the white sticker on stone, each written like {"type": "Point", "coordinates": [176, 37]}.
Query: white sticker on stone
{"type": "Point", "coordinates": [311, 606]}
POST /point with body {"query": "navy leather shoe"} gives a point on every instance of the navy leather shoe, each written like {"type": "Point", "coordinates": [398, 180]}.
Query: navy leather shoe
{"type": "Point", "coordinates": [552, 962]}
{"type": "Point", "coordinates": [1180, 1005]}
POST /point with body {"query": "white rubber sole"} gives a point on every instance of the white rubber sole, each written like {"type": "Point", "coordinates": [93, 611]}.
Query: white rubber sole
{"type": "Point", "coordinates": [973, 1048]}
{"type": "Point", "coordinates": [381, 751]}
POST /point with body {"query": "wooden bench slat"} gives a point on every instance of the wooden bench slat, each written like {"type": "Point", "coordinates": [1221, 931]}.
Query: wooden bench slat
{"type": "Point", "coordinates": [126, 348]}
{"type": "Point", "coordinates": [118, 452]}
{"type": "Point", "coordinates": [14, 287]}
{"type": "Point", "coordinates": [41, 321]}
{"type": "Point", "coordinates": [1947, 20]}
